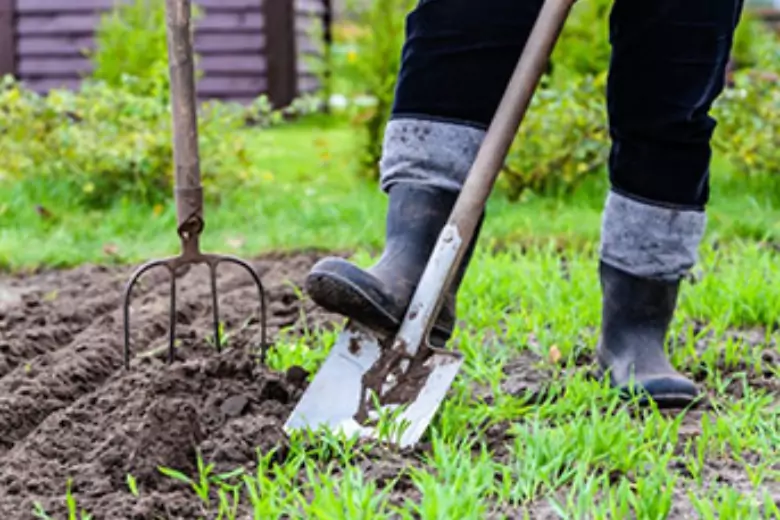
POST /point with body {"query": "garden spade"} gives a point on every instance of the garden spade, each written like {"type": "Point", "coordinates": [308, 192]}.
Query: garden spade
{"type": "Point", "coordinates": [188, 190]}
{"type": "Point", "coordinates": [390, 388]}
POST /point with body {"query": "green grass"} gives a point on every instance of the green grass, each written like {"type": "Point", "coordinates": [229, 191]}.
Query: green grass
{"type": "Point", "coordinates": [577, 453]}
{"type": "Point", "coordinates": [581, 453]}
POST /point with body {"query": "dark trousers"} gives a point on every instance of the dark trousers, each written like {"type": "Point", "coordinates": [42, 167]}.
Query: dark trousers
{"type": "Point", "coordinates": [668, 65]}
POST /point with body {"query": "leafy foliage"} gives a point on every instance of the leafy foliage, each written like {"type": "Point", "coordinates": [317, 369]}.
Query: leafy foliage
{"type": "Point", "coordinates": [131, 42]}
{"type": "Point", "coordinates": [756, 46]}
{"type": "Point", "coordinates": [564, 137]}
{"type": "Point", "coordinates": [562, 140]}
{"type": "Point", "coordinates": [583, 47]}
{"type": "Point", "coordinates": [103, 143]}
{"type": "Point", "coordinates": [372, 67]}
{"type": "Point", "coordinates": [111, 139]}
{"type": "Point", "coordinates": [748, 115]}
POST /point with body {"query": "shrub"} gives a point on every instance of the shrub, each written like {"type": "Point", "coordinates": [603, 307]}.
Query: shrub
{"type": "Point", "coordinates": [562, 140]}
{"type": "Point", "coordinates": [130, 40]}
{"type": "Point", "coordinates": [112, 138]}
{"type": "Point", "coordinates": [583, 47]}
{"type": "Point", "coordinates": [756, 46]}
{"type": "Point", "coordinates": [97, 144]}
{"type": "Point", "coordinates": [103, 143]}
{"type": "Point", "coordinates": [371, 68]}
{"type": "Point", "coordinates": [748, 116]}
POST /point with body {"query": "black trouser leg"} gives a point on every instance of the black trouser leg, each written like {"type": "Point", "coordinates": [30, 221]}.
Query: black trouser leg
{"type": "Point", "coordinates": [668, 66]}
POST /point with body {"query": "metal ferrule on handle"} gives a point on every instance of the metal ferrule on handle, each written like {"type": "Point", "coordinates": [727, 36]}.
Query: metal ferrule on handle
{"type": "Point", "coordinates": [453, 241]}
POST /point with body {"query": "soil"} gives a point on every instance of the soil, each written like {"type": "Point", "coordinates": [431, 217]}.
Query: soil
{"type": "Point", "coordinates": [69, 409]}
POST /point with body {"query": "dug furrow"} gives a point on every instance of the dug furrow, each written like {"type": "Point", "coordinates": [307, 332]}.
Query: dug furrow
{"type": "Point", "coordinates": [43, 317]}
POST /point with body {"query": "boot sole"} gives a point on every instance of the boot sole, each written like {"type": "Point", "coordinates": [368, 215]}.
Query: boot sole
{"type": "Point", "coordinates": [663, 401]}
{"type": "Point", "coordinates": [339, 295]}
{"type": "Point", "coordinates": [644, 397]}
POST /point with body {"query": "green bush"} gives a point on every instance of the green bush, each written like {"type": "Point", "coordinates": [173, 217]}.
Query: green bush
{"type": "Point", "coordinates": [104, 143]}
{"type": "Point", "coordinates": [562, 140]}
{"type": "Point", "coordinates": [564, 137]}
{"type": "Point", "coordinates": [756, 46]}
{"type": "Point", "coordinates": [130, 40]}
{"type": "Point", "coordinates": [583, 47]}
{"type": "Point", "coordinates": [748, 116]}
{"type": "Point", "coordinates": [112, 138]}
{"type": "Point", "coordinates": [371, 68]}
{"type": "Point", "coordinates": [101, 143]}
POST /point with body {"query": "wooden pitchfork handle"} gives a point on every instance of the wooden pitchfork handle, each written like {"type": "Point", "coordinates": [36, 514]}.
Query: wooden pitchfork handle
{"type": "Point", "coordinates": [188, 189]}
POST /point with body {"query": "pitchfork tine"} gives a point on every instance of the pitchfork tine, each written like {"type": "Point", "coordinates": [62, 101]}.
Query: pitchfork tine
{"type": "Point", "coordinates": [172, 320]}
{"type": "Point", "coordinates": [215, 305]}
{"type": "Point", "coordinates": [126, 302]}
{"type": "Point", "coordinates": [261, 294]}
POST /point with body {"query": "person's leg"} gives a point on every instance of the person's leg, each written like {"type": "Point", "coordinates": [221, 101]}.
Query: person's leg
{"type": "Point", "coordinates": [457, 60]}
{"type": "Point", "coordinates": [668, 66]}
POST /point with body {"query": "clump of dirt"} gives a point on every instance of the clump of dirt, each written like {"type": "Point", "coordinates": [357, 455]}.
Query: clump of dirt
{"type": "Point", "coordinates": [221, 407]}
{"type": "Point", "coordinates": [69, 409]}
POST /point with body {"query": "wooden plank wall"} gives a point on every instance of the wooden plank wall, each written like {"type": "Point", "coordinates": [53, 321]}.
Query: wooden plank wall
{"type": "Point", "coordinates": [7, 39]}
{"type": "Point", "coordinates": [771, 16]}
{"type": "Point", "coordinates": [311, 15]}
{"type": "Point", "coordinates": [246, 47]}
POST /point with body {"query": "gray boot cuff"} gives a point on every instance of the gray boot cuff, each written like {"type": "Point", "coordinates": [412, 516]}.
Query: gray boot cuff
{"type": "Point", "coordinates": [434, 153]}
{"type": "Point", "coordinates": [650, 241]}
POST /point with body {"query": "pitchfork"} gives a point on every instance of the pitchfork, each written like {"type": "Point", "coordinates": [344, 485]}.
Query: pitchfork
{"type": "Point", "coordinates": [188, 190]}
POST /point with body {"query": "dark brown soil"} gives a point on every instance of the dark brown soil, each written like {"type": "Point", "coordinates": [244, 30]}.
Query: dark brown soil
{"type": "Point", "coordinates": [68, 409]}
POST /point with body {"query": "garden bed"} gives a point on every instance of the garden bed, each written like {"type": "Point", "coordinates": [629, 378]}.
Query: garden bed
{"type": "Point", "coordinates": [69, 409]}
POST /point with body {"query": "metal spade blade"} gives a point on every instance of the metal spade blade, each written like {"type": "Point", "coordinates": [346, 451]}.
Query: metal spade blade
{"type": "Point", "coordinates": [359, 372]}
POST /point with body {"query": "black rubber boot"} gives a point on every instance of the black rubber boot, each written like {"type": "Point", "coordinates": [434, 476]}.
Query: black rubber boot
{"type": "Point", "coordinates": [379, 296]}
{"type": "Point", "coordinates": [636, 314]}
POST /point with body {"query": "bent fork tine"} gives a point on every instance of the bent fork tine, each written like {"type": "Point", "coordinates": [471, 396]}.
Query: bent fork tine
{"type": "Point", "coordinates": [261, 294]}
{"type": "Point", "coordinates": [126, 300]}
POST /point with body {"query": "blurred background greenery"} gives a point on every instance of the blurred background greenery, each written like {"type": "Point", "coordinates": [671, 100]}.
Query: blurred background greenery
{"type": "Point", "coordinates": [72, 160]}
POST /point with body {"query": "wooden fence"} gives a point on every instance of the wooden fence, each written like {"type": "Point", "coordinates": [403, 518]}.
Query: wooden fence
{"type": "Point", "coordinates": [771, 16]}
{"type": "Point", "coordinates": [246, 47]}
